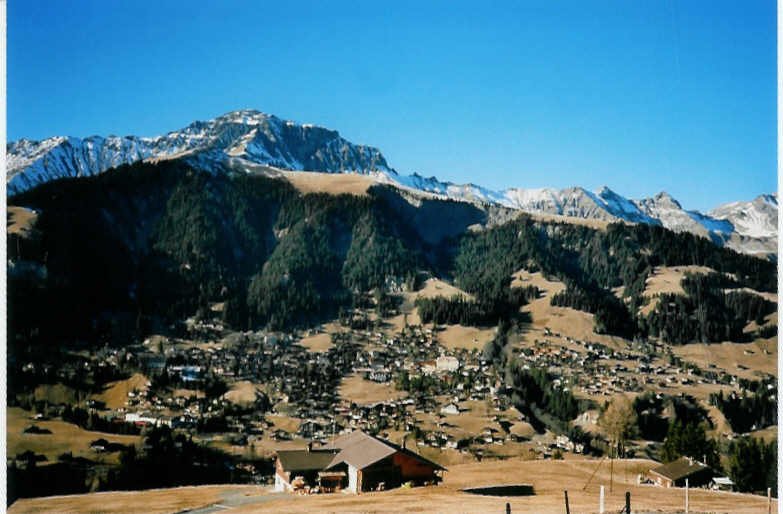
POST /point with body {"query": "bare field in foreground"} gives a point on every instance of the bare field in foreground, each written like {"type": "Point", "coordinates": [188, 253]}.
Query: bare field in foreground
{"type": "Point", "coordinates": [156, 501]}
{"type": "Point", "coordinates": [548, 478]}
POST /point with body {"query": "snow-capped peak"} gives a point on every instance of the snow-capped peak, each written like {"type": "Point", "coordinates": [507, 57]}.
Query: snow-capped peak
{"type": "Point", "coordinates": [249, 134]}
{"type": "Point", "coordinates": [247, 138]}
{"type": "Point", "coordinates": [757, 218]}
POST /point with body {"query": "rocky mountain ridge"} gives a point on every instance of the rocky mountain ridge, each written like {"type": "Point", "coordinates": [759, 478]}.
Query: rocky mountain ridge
{"type": "Point", "coordinates": [248, 138]}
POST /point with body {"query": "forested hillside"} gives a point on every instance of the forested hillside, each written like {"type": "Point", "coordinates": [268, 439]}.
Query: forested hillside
{"type": "Point", "coordinates": [139, 249]}
{"type": "Point", "coordinates": [593, 262]}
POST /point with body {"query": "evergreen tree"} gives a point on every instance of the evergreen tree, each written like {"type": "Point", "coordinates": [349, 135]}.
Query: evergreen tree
{"type": "Point", "coordinates": [753, 464]}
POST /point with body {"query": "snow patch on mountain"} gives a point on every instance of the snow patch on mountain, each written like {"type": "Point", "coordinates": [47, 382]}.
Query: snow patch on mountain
{"type": "Point", "coordinates": [251, 141]}
{"type": "Point", "coordinates": [757, 218]}
{"type": "Point", "coordinates": [744, 226]}
{"type": "Point", "coordinates": [253, 135]}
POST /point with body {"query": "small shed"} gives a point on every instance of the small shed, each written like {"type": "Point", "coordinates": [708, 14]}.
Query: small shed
{"type": "Point", "coordinates": [722, 484]}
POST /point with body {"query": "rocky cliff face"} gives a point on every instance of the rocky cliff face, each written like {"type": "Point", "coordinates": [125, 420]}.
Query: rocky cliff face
{"type": "Point", "coordinates": [251, 135]}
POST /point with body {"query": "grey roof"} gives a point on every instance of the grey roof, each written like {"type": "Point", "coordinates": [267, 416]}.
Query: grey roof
{"type": "Point", "coordinates": [680, 468]}
{"type": "Point", "coordinates": [304, 460]}
{"type": "Point", "coordinates": [361, 450]}
{"type": "Point", "coordinates": [345, 440]}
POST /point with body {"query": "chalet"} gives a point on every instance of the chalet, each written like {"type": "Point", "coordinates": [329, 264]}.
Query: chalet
{"type": "Point", "coordinates": [355, 462]}
{"type": "Point", "coordinates": [447, 363]}
{"type": "Point", "coordinates": [450, 409]}
{"type": "Point", "coordinates": [429, 367]}
{"type": "Point", "coordinates": [675, 473]}
{"type": "Point", "coordinates": [380, 376]}
{"type": "Point", "coordinates": [142, 418]}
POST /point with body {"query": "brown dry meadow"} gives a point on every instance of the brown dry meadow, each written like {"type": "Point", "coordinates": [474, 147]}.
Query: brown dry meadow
{"type": "Point", "coordinates": [64, 437]}
{"type": "Point", "coordinates": [21, 220]}
{"type": "Point", "coordinates": [156, 501]}
{"type": "Point", "coordinates": [548, 478]}
{"type": "Point", "coordinates": [355, 388]}
{"type": "Point", "coordinates": [313, 182]}
{"type": "Point", "coordinates": [115, 394]}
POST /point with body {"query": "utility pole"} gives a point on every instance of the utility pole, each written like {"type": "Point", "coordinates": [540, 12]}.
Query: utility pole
{"type": "Point", "coordinates": [769, 500]}
{"type": "Point", "coordinates": [687, 507]}
{"type": "Point", "coordinates": [601, 501]}
{"type": "Point", "coordinates": [611, 473]}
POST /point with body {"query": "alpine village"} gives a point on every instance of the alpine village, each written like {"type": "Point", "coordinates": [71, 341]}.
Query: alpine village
{"type": "Point", "coordinates": [255, 314]}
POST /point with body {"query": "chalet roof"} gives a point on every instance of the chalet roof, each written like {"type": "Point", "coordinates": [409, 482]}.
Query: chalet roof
{"type": "Point", "coordinates": [304, 460]}
{"type": "Point", "coordinates": [680, 468]}
{"type": "Point", "coordinates": [361, 450]}
{"type": "Point", "coordinates": [345, 440]}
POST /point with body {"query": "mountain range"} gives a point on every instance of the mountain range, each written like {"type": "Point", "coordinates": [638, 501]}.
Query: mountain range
{"type": "Point", "coordinates": [243, 140]}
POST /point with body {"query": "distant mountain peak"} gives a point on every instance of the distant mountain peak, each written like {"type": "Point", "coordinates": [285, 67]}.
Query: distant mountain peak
{"type": "Point", "coordinates": [248, 134]}
{"type": "Point", "coordinates": [665, 199]}
{"type": "Point", "coordinates": [246, 138]}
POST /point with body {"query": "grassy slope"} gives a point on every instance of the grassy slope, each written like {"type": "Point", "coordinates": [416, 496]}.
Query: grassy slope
{"type": "Point", "coordinates": [65, 437]}
{"type": "Point", "coordinates": [549, 479]}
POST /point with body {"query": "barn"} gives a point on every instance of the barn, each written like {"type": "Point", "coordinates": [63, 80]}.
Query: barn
{"type": "Point", "coordinates": [676, 472]}
{"type": "Point", "coordinates": [356, 462]}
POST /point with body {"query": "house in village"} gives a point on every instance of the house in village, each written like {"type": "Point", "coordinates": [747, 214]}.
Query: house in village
{"type": "Point", "coordinates": [447, 363]}
{"type": "Point", "coordinates": [450, 409]}
{"type": "Point", "coordinates": [676, 472]}
{"type": "Point", "coordinates": [355, 462]}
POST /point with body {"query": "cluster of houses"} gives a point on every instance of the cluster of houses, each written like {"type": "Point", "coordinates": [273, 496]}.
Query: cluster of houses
{"type": "Point", "coordinates": [436, 379]}
{"type": "Point", "coordinates": [306, 382]}
{"type": "Point", "coordinates": [597, 370]}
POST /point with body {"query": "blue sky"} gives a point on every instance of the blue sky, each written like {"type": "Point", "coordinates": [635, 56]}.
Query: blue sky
{"type": "Point", "coordinates": [640, 96]}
